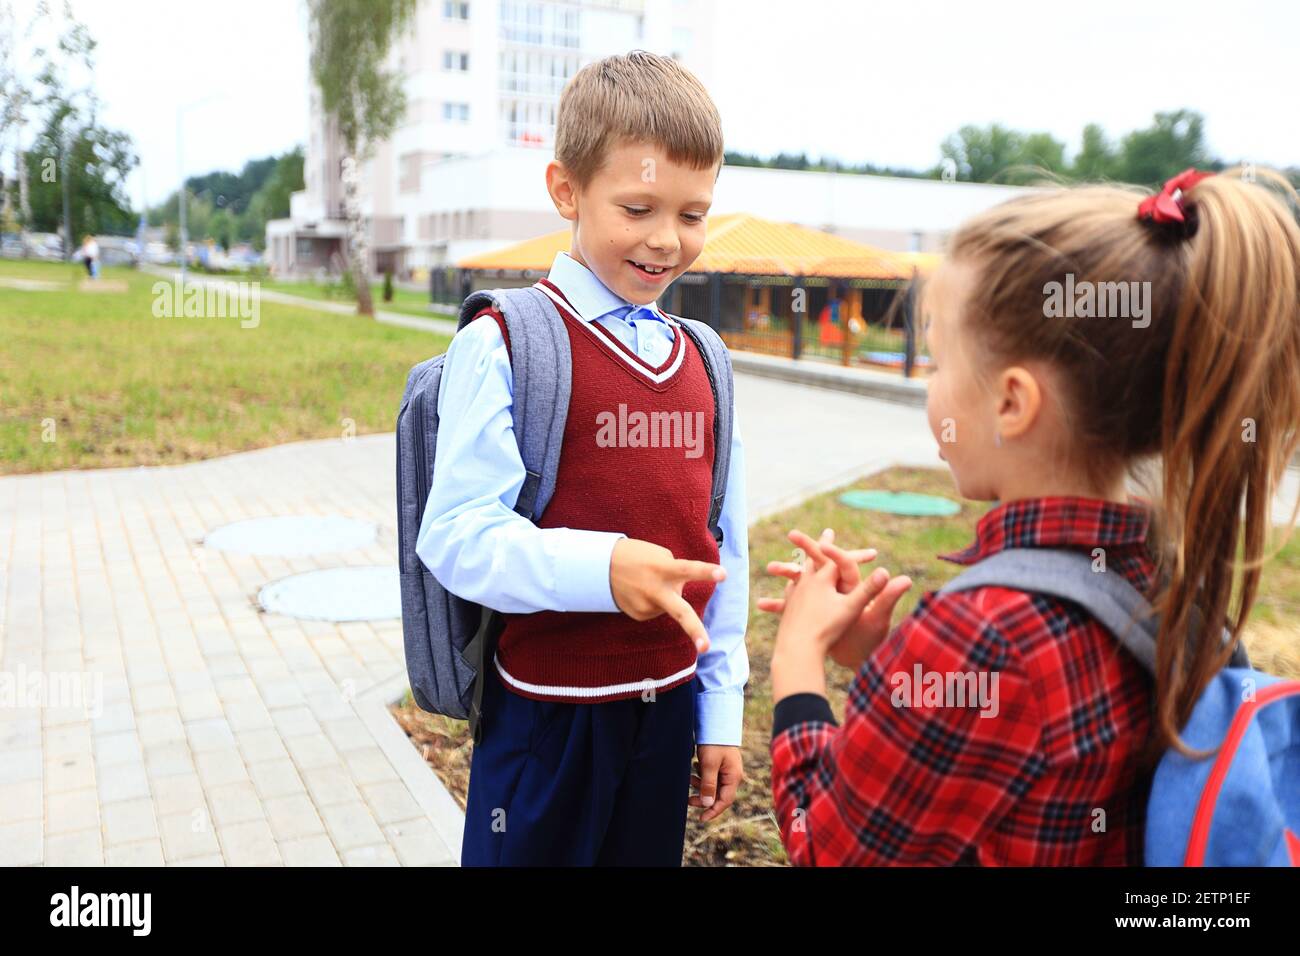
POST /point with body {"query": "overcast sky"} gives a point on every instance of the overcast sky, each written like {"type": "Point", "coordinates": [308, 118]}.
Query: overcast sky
{"type": "Point", "coordinates": [882, 82]}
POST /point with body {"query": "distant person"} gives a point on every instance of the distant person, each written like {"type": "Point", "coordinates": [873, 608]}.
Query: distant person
{"type": "Point", "coordinates": [622, 653]}
{"type": "Point", "coordinates": [90, 256]}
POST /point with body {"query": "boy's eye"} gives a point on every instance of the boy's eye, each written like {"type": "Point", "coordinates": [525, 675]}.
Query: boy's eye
{"type": "Point", "coordinates": [637, 210]}
{"type": "Point", "coordinates": [694, 218]}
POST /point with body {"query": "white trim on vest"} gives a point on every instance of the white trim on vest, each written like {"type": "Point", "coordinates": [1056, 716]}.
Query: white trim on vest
{"type": "Point", "coordinates": [658, 377]}
{"type": "Point", "coordinates": [580, 692]}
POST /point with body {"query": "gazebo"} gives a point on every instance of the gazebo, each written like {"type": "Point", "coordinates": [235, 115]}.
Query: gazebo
{"type": "Point", "coordinates": [770, 287]}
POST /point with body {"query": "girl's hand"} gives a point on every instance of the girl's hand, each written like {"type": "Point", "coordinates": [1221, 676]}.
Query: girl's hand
{"type": "Point", "coordinates": [872, 624]}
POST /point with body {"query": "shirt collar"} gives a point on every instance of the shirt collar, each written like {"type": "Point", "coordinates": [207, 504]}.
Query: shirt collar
{"type": "Point", "coordinates": [590, 297]}
{"type": "Point", "coordinates": [1055, 522]}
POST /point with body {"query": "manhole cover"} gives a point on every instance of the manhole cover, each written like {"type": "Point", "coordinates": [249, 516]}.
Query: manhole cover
{"type": "Point", "coordinates": [292, 535]}
{"type": "Point", "coordinates": [900, 503]}
{"type": "Point", "coordinates": [336, 594]}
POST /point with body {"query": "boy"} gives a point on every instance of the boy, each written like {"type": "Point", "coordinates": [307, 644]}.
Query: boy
{"type": "Point", "coordinates": [623, 649]}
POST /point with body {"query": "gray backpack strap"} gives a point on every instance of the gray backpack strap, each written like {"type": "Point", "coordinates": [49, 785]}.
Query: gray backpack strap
{"type": "Point", "coordinates": [1106, 595]}
{"type": "Point", "coordinates": [717, 362]}
{"type": "Point", "coordinates": [542, 371]}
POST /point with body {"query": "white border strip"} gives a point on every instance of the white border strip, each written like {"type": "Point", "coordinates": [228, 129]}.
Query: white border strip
{"type": "Point", "coordinates": [556, 691]}
{"type": "Point", "coordinates": [657, 378]}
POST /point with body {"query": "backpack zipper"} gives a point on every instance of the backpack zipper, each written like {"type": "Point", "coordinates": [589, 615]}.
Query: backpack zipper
{"type": "Point", "coordinates": [421, 471]}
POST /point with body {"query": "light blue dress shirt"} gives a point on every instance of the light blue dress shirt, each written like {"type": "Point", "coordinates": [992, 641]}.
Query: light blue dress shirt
{"type": "Point", "coordinates": [477, 546]}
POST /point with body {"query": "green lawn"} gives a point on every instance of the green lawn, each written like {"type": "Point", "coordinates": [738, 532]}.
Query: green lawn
{"type": "Point", "coordinates": [404, 300]}
{"type": "Point", "coordinates": [123, 387]}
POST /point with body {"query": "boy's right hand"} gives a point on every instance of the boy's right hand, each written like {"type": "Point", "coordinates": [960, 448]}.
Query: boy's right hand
{"type": "Point", "coordinates": [646, 581]}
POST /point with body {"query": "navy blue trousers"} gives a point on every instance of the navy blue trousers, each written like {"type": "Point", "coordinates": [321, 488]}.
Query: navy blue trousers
{"type": "Point", "coordinates": [559, 784]}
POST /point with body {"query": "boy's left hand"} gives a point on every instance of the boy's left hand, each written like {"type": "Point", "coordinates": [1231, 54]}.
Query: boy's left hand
{"type": "Point", "coordinates": [715, 778]}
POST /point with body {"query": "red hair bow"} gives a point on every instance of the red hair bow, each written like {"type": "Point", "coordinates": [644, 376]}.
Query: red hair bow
{"type": "Point", "coordinates": [1167, 205]}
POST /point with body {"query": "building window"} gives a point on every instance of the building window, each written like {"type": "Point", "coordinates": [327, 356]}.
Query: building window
{"type": "Point", "coordinates": [455, 112]}
{"type": "Point", "coordinates": [455, 60]}
{"type": "Point", "coordinates": [305, 249]}
{"type": "Point", "coordinates": [453, 10]}
{"type": "Point", "coordinates": [408, 180]}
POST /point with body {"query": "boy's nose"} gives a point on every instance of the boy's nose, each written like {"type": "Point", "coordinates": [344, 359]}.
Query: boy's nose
{"type": "Point", "coordinates": [664, 240]}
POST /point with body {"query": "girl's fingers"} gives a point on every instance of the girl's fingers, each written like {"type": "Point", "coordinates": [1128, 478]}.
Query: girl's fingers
{"type": "Point", "coordinates": [883, 604]}
{"type": "Point", "coordinates": [784, 569]}
{"type": "Point", "coordinates": [870, 586]}
{"type": "Point", "coordinates": [810, 547]}
{"type": "Point", "coordinates": [775, 605]}
{"type": "Point", "coordinates": [848, 567]}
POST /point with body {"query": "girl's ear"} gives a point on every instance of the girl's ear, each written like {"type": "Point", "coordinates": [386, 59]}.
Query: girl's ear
{"type": "Point", "coordinates": [564, 192]}
{"type": "Point", "coordinates": [1019, 401]}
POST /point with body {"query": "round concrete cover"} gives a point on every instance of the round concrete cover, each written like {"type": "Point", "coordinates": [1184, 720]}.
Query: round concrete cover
{"type": "Point", "coordinates": [336, 594]}
{"type": "Point", "coordinates": [900, 503]}
{"type": "Point", "coordinates": [292, 535]}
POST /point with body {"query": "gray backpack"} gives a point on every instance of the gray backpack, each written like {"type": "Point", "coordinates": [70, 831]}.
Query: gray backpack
{"type": "Point", "coordinates": [1066, 574]}
{"type": "Point", "coordinates": [447, 638]}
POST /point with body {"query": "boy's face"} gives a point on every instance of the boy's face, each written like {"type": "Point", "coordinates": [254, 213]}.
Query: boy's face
{"type": "Point", "coordinates": [639, 223]}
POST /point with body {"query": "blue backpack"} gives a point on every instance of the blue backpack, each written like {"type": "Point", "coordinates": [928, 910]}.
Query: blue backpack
{"type": "Point", "coordinates": [448, 639]}
{"type": "Point", "coordinates": [1237, 807]}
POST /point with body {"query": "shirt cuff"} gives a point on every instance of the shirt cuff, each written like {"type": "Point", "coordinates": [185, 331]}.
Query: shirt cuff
{"type": "Point", "coordinates": [719, 716]}
{"type": "Point", "coordinates": [798, 709]}
{"type": "Point", "coordinates": [581, 560]}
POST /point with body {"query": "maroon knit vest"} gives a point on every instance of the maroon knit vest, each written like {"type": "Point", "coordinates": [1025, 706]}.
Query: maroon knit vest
{"type": "Point", "coordinates": [612, 478]}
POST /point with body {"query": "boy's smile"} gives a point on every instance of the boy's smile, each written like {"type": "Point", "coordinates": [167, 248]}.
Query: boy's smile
{"type": "Point", "coordinates": [639, 222]}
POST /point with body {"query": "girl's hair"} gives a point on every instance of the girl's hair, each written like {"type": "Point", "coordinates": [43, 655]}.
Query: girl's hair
{"type": "Point", "coordinates": [1208, 379]}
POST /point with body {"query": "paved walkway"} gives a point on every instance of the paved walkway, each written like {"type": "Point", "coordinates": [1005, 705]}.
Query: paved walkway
{"type": "Point", "coordinates": [229, 736]}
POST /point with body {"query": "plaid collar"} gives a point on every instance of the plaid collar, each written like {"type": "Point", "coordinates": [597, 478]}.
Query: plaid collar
{"type": "Point", "coordinates": [1054, 523]}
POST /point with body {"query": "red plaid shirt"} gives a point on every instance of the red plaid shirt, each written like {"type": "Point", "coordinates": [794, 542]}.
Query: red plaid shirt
{"type": "Point", "coordinates": [1051, 775]}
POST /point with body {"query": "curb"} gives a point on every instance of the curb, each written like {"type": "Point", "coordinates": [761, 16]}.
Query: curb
{"type": "Point", "coordinates": [889, 388]}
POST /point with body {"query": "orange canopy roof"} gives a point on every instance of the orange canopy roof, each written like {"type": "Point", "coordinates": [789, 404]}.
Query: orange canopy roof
{"type": "Point", "coordinates": [740, 243]}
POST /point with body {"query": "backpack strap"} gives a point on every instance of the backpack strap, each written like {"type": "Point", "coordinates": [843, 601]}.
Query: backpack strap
{"type": "Point", "coordinates": [717, 363]}
{"type": "Point", "coordinates": [542, 371]}
{"type": "Point", "coordinates": [1106, 595]}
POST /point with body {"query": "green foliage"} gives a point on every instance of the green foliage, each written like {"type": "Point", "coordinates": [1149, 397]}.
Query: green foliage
{"type": "Point", "coordinates": [230, 208]}
{"type": "Point", "coordinates": [349, 43]}
{"type": "Point", "coordinates": [994, 153]}
{"type": "Point", "coordinates": [1176, 141]}
{"type": "Point", "coordinates": [71, 144]}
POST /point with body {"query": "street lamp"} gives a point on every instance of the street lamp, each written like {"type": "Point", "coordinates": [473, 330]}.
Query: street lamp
{"type": "Point", "coordinates": [180, 167]}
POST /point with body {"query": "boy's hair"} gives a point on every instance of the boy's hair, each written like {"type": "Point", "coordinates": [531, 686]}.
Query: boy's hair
{"type": "Point", "coordinates": [636, 97]}
{"type": "Point", "coordinates": [1206, 384]}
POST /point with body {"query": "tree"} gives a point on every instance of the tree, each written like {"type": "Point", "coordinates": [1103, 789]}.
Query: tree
{"type": "Point", "coordinates": [1176, 141]}
{"type": "Point", "coordinates": [97, 163]}
{"type": "Point", "coordinates": [229, 207]}
{"type": "Point", "coordinates": [350, 40]}
{"type": "Point", "coordinates": [996, 154]}
{"type": "Point", "coordinates": [77, 168]}
{"type": "Point", "coordinates": [1097, 159]}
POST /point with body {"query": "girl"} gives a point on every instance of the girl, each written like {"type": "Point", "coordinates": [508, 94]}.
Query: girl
{"type": "Point", "coordinates": [1047, 407]}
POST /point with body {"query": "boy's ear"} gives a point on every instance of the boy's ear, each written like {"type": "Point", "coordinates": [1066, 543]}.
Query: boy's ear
{"type": "Point", "coordinates": [563, 190]}
{"type": "Point", "coordinates": [1019, 401]}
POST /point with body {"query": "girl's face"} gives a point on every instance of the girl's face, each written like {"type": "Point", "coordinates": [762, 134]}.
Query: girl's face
{"type": "Point", "coordinates": [962, 411]}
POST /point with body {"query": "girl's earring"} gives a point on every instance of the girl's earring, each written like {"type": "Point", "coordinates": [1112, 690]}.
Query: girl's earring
{"type": "Point", "coordinates": [997, 439]}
